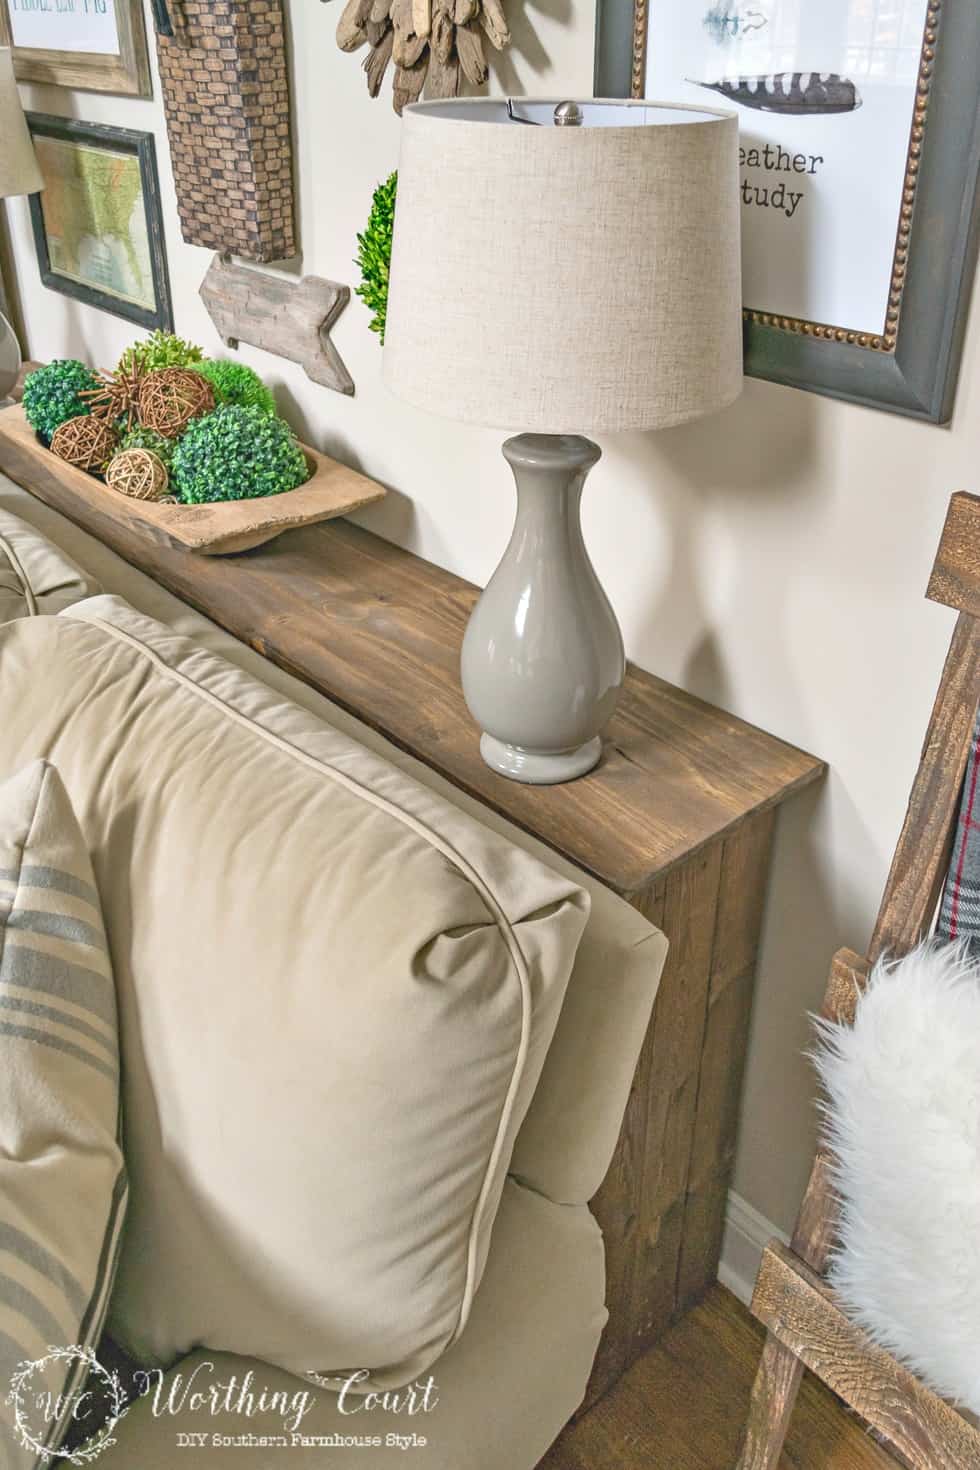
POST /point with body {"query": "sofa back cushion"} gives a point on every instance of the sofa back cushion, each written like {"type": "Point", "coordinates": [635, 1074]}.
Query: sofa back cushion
{"type": "Point", "coordinates": [567, 1140]}
{"type": "Point", "coordinates": [336, 997]}
{"type": "Point", "coordinates": [35, 576]}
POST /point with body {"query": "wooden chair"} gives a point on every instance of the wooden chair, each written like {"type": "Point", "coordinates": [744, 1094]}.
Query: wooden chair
{"type": "Point", "coordinates": [805, 1325]}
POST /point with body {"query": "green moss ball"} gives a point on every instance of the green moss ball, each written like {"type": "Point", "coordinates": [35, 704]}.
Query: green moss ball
{"type": "Point", "coordinates": [160, 350]}
{"type": "Point", "coordinates": [51, 394]}
{"type": "Point", "coordinates": [233, 382]}
{"type": "Point", "coordinates": [139, 437]}
{"type": "Point", "coordinates": [237, 453]}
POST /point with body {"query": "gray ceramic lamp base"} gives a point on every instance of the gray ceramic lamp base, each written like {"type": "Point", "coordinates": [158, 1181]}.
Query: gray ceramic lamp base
{"type": "Point", "coordinates": [542, 661]}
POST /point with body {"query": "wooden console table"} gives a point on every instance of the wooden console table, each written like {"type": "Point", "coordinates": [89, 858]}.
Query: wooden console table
{"type": "Point", "coordinates": [677, 818]}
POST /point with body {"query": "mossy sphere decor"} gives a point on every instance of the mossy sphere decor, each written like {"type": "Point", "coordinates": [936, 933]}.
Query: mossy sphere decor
{"type": "Point", "coordinates": [233, 382]}
{"type": "Point", "coordinates": [171, 397]}
{"type": "Point", "coordinates": [139, 473]}
{"type": "Point", "coordinates": [160, 350]}
{"type": "Point", "coordinates": [85, 442]}
{"type": "Point", "coordinates": [237, 454]}
{"type": "Point", "coordinates": [374, 253]}
{"type": "Point", "coordinates": [139, 437]}
{"type": "Point", "coordinates": [52, 394]}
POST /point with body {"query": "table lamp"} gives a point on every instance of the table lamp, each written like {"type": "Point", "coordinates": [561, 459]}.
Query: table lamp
{"type": "Point", "coordinates": [560, 268]}
{"type": "Point", "coordinates": [19, 174]}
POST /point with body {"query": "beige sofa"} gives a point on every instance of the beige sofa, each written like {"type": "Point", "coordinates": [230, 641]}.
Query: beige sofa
{"type": "Point", "coordinates": [511, 1379]}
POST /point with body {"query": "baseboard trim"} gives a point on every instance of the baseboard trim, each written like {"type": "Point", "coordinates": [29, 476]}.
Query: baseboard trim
{"type": "Point", "coordinates": [747, 1233]}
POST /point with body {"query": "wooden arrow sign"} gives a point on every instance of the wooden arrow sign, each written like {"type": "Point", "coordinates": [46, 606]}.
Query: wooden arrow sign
{"type": "Point", "coordinates": [290, 318]}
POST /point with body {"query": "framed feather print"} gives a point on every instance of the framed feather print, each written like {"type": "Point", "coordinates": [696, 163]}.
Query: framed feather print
{"type": "Point", "coordinates": [859, 161]}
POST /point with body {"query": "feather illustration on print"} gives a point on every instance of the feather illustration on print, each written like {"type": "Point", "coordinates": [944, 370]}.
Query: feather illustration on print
{"type": "Point", "coordinates": [793, 93]}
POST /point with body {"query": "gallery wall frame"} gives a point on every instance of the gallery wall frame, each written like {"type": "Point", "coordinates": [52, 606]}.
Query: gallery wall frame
{"type": "Point", "coordinates": [99, 46]}
{"type": "Point", "coordinates": [906, 360]}
{"type": "Point", "coordinates": [111, 255]}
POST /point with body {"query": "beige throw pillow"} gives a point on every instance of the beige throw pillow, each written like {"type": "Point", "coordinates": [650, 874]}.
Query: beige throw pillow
{"type": "Point", "coordinates": [62, 1180]}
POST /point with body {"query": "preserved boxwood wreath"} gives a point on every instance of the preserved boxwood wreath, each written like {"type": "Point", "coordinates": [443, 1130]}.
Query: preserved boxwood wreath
{"type": "Point", "coordinates": [374, 253]}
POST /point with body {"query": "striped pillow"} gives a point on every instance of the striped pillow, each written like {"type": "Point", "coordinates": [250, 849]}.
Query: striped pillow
{"type": "Point", "coordinates": [62, 1179]}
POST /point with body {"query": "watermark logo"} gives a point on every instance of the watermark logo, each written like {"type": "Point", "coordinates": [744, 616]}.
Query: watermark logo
{"type": "Point", "coordinates": [38, 1406]}
{"type": "Point", "coordinates": [72, 1399]}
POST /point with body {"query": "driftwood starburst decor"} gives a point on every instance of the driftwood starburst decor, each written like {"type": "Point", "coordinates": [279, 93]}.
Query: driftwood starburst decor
{"type": "Point", "coordinates": [433, 44]}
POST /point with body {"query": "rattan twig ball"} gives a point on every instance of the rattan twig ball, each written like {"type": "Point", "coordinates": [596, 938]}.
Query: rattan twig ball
{"type": "Point", "coordinates": [85, 442]}
{"type": "Point", "coordinates": [139, 473]}
{"type": "Point", "coordinates": [171, 397]}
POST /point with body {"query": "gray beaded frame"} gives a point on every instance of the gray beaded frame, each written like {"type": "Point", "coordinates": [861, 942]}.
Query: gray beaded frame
{"type": "Point", "coordinates": [910, 366]}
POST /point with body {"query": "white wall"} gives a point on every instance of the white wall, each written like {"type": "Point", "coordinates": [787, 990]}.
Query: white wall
{"type": "Point", "coordinates": [771, 559]}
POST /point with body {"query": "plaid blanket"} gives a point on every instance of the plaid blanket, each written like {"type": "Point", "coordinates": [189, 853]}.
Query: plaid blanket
{"type": "Point", "coordinates": [959, 912]}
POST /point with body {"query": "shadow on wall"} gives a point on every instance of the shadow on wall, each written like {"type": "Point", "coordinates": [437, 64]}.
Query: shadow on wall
{"type": "Point", "coordinates": [293, 266]}
{"type": "Point", "coordinates": [745, 454]}
{"type": "Point", "coordinates": [394, 518]}
{"type": "Point", "coordinates": [810, 913]}
{"type": "Point", "coordinates": [746, 476]}
{"type": "Point", "coordinates": [72, 335]}
{"type": "Point", "coordinates": [525, 44]}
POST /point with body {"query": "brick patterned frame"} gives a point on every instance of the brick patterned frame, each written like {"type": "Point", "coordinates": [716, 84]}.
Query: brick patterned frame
{"type": "Point", "coordinates": [226, 94]}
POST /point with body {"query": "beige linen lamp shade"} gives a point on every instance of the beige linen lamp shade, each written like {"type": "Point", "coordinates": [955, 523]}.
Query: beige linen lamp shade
{"type": "Point", "coordinates": [566, 279]}
{"type": "Point", "coordinates": [19, 172]}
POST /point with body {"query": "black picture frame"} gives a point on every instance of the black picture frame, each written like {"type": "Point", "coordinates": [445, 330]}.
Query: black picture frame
{"type": "Point", "coordinates": [912, 367]}
{"type": "Point", "coordinates": [135, 144]}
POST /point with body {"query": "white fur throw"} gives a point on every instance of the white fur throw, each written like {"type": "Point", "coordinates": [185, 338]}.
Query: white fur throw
{"type": "Point", "coordinates": [903, 1120]}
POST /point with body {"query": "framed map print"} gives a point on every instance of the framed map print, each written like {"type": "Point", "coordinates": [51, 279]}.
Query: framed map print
{"type": "Point", "coordinates": [859, 164]}
{"type": "Point", "coordinates": [98, 230]}
{"type": "Point", "coordinates": [95, 45]}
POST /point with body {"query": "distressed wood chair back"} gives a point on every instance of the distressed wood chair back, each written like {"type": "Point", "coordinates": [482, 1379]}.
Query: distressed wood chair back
{"type": "Point", "coordinates": [805, 1325]}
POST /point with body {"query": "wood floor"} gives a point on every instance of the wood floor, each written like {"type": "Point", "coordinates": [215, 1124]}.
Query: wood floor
{"type": "Point", "coordinates": [682, 1407]}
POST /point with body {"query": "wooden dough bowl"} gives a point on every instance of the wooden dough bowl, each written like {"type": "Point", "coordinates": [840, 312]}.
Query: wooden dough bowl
{"type": "Point", "coordinates": [216, 529]}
